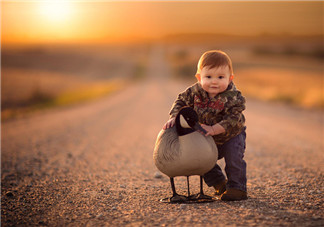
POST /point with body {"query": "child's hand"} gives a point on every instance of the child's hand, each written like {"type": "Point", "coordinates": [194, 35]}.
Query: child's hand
{"type": "Point", "coordinates": [209, 129]}
{"type": "Point", "coordinates": [213, 130]}
{"type": "Point", "coordinates": [169, 123]}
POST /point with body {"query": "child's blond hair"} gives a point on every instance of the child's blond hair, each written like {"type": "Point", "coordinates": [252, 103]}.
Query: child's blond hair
{"type": "Point", "coordinates": [214, 59]}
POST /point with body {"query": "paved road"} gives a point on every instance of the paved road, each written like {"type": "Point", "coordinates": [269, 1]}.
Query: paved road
{"type": "Point", "coordinates": [92, 164]}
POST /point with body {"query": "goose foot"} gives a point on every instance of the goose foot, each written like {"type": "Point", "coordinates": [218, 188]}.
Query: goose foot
{"type": "Point", "coordinates": [178, 199]}
{"type": "Point", "coordinates": [201, 198]}
{"type": "Point", "coordinates": [175, 199]}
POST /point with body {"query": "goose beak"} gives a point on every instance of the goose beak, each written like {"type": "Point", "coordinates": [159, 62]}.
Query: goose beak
{"type": "Point", "coordinates": [198, 127]}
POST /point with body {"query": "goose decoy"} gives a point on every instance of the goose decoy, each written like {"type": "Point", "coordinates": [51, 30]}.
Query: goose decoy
{"type": "Point", "coordinates": [183, 151]}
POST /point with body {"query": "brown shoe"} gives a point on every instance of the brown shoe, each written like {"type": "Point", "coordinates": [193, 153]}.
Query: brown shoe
{"type": "Point", "coordinates": [233, 194]}
{"type": "Point", "coordinates": [220, 188]}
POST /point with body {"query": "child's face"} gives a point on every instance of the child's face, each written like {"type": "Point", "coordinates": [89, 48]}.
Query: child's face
{"type": "Point", "coordinates": [215, 80]}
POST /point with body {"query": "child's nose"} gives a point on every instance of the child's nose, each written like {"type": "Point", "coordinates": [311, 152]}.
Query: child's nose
{"type": "Point", "coordinates": [214, 80]}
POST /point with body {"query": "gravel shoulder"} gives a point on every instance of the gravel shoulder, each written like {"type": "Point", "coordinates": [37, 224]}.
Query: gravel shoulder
{"type": "Point", "coordinates": [91, 164]}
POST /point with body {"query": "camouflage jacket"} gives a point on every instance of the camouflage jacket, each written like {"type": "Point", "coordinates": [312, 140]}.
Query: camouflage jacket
{"type": "Point", "coordinates": [225, 108]}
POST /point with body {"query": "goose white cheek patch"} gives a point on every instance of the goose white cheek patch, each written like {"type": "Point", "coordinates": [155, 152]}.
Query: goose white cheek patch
{"type": "Point", "coordinates": [183, 122]}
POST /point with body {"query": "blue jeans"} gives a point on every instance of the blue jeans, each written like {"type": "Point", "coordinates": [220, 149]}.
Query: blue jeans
{"type": "Point", "coordinates": [233, 153]}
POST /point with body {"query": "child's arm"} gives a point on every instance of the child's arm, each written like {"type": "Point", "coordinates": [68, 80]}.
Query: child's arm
{"type": "Point", "coordinates": [183, 99]}
{"type": "Point", "coordinates": [234, 118]}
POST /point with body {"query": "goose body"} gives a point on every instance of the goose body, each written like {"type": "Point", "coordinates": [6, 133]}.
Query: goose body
{"type": "Point", "coordinates": [183, 151]}
{"type": "Point", "coordinates": [187, 155]}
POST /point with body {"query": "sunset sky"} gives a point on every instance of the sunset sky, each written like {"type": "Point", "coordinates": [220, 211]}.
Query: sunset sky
{"type": "Point", "coordinates": [106, 21]}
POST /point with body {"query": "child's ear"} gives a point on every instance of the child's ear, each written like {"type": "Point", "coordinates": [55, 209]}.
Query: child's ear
{"type": "Point", "coordinates": [198, 77]}
{"type": "Point", "coordinates": [231, 77]}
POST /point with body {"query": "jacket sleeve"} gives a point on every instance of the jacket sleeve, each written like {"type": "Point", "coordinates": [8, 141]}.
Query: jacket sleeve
{"type": "Point", "coordinates": [233, 118]}
{"type": "Point", "coordinates": [184, 99]}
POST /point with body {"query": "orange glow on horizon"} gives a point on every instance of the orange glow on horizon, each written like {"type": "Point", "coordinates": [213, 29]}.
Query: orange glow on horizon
{"type": "Point", "coordinates": [82, 21]}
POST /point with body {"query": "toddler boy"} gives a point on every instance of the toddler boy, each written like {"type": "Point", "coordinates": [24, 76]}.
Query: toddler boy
{"type": "Point", "coordinates": [219, 106]}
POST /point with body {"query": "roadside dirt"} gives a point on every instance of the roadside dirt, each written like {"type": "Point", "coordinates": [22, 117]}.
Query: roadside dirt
{"type": "Point", "coordinates": [91, 164]}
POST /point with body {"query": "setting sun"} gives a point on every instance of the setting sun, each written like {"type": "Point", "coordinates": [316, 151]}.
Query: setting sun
{"type": "Point", "coordinates": [107, 21]}
{"type": "Point", "coordinates": [55, 11]}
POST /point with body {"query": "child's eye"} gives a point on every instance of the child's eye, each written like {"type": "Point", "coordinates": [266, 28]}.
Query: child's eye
{"type": "Point", "coordinates": [208, 77]}
{"type": "Point", "coordinates": [220, 77]}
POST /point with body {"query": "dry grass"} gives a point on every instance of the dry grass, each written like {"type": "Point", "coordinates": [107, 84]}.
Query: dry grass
{"type": "Point", "coordinates": [24, 91]}
{"type": "Point", "coordinates": [85, 93]}
{"type": "Point", "coordinates": [283, 85]}
{"type": "Point", "coordinates": [19, 85]}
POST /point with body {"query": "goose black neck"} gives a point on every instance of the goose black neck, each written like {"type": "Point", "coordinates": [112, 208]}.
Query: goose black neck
{"type": "Point", "coordinates": [180, 130]}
